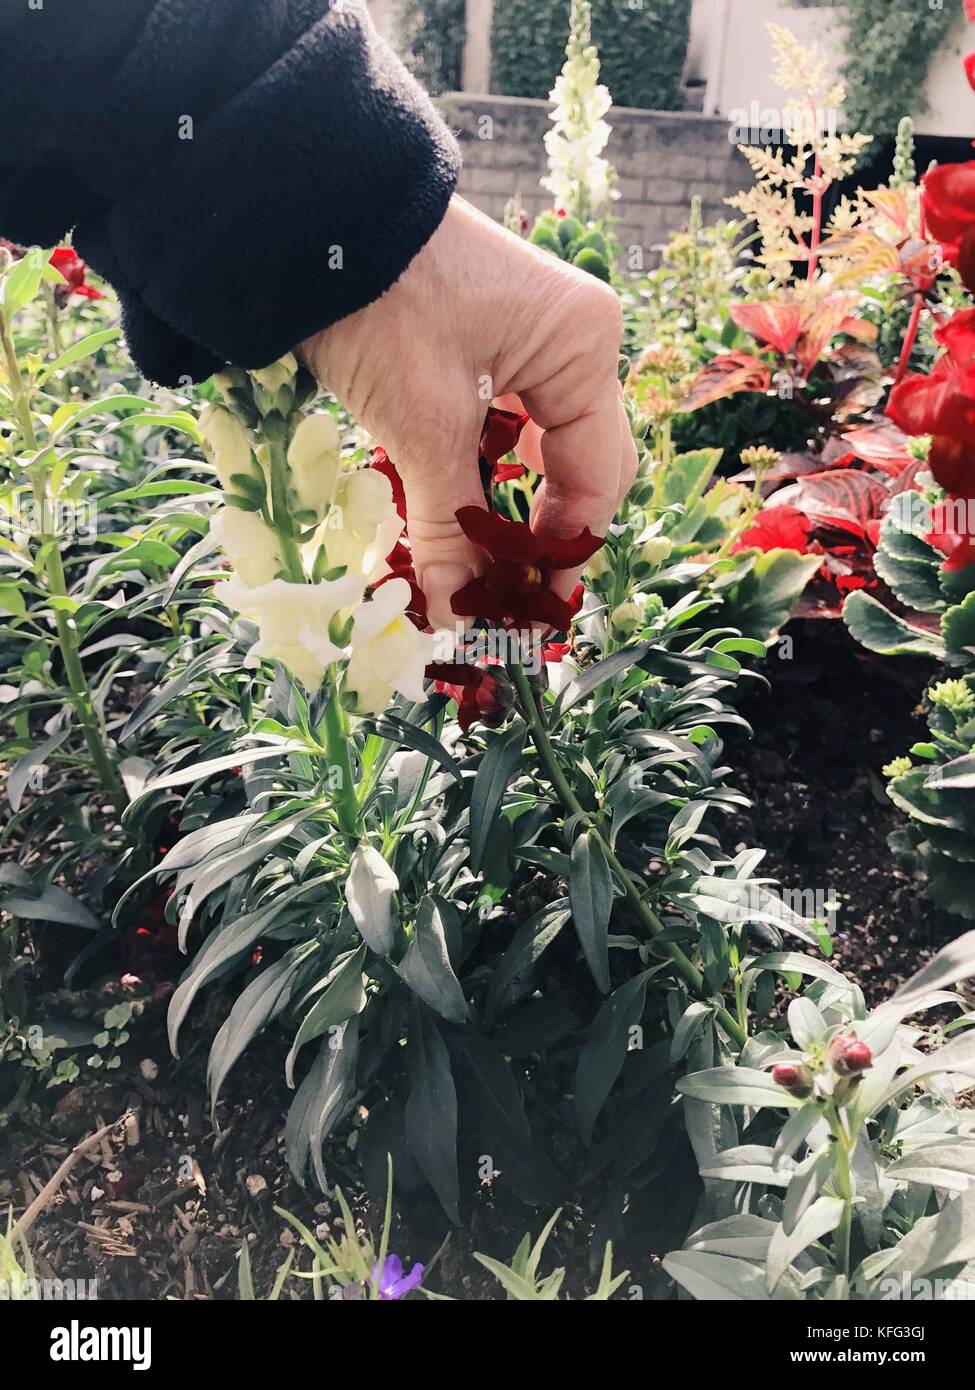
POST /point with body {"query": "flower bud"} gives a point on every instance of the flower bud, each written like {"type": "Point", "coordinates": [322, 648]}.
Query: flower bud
{"type": "Point", "coordinates": [227, 443]}
{"type": "Point", "coordinates": [250, 545]}
{"type": "Point", "coordinates": [599, 566]}
{"type": "Point", "coordinates": [848, 1056]}
{"type": "Point", "coordinates": [278, 374]}
{"type": "Point", "coordinates": [655, 551]}
{"type": "Point", "coordinates": [626, 618]}
{"type": "Point", "coordinates": [794, 1077]}
{"type": "Point", "coordinates": [313, 458]}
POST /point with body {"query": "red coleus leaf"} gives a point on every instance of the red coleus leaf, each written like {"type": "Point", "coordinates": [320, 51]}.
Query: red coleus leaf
{"type": "Point", "coordinates": [775, 325]}
{"type": "Point", "coordinates": [726, 375]}
{"type": "Point", "coordinates": [829, 317]}
{"type": "Point", "coordinates": [776, 528]}
{"type": "Point", "coordinates": [843, 495]}
{"type": "Point", "coordinates": [882, 445]}
{"type": "Point", "coordinates": [516, 587]}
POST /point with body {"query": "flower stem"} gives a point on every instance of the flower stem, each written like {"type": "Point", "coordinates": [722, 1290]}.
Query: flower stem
{"type": "Point", "coordinates": [844, 1185]}
{"type": "Point", "coordinates": [683, 967]}
{"type": "Point", "coordinates": [53, 568]}
{"type": "Point", "coordinates": [337, 744]}
{"type": "Point", "coordinates": [910, 338]}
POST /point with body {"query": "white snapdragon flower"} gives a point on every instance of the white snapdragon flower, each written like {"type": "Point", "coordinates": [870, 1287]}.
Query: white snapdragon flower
{"type": "Point", "coordinates": [227, 443]}
{"type": "Point", "coordinates": [579, 179]}
{"type": "Point", "coordinates": [388, 653]}
{"type": "Point", "coordinates": [249, 544]}
{"type": "Point", "coordinates": [362, 527]}
{"type": "Point", "coordinates": [295, 621]}
{"type": "Point", "coordinates": [313, 460]}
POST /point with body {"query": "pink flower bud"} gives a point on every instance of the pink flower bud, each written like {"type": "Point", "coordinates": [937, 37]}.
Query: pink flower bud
{"type": "Point", "coordinates": [794, 1077]}
{"type": "Point", "coordinates": [848, 1056]}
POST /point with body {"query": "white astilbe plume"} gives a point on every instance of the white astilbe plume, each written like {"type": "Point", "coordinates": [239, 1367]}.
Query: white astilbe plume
{"type": "Point", "coordinates": [579, 179]}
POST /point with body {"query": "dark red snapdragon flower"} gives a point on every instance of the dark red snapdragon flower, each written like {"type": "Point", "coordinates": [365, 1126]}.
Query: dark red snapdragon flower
{"type": "Point", "coordinates": [516, 587]}
{"type": "Point", "coordinates": [501, 432]}
{"type": "Point", "coordinates": [943, 403]}
{"type": "Point", "coordinates": [383, 464]}
{"type": "Point", "coordinates": [956, 545]}
{"type": "Point", "coordinates": [948, 200]}
{"type": "Point", "coordinates": [479, 694]}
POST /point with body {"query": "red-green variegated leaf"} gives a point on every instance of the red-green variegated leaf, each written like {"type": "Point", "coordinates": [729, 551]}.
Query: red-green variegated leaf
{"type": "Point", "coordinates": [774, 325]}
{"type": "Point", "coordinates": [725, 376]}
{"type": "Point", "coordinates": [882, 445]}
{"type": "Point", "coordinates": [840, 495]}
{"type": "Point", "coordinates": [892, 203]}
{"type": "Point", "coordinates": [821, 327]}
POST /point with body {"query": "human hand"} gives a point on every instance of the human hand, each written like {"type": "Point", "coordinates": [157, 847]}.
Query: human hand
{"type": "Point", "coordinates": [481, 315]}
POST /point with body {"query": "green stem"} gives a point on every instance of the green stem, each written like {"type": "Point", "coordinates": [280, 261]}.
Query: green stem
{"type": "Point", "coordinates": [337, 744]}
{"type": "Point", "coordinates": [844, 1184]}
{"type": "Point", "coordinates": [57, 586]}
{"type": "Point", "coordinates": [683, 967]}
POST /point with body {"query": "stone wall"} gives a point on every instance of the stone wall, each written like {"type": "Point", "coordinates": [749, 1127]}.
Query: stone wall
{"type": "Point", "coordinates": [662, 159]}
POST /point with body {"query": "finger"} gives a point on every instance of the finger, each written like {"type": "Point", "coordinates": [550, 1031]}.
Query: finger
{"type": "Point", "coordinates": [582, 481]}
{"type": "Point", "coordinates": [443, 558]}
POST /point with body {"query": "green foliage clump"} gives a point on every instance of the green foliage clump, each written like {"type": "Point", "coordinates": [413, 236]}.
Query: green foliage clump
{"type": "Point", "coordinates": [431, 38]}
{"type": "Point", "coordinates": [641, 49]}
{"type": "Point", "coordinates": [889, 46]}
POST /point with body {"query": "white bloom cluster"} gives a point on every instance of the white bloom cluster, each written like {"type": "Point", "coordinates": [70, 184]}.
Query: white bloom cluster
{"type": "Point", "coordinates": [308, 595]}
{"type": "Point", "coordinates": [579, 179]}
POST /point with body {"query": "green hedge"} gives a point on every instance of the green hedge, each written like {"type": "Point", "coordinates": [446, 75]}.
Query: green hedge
{"type": "Point", "coordinates": [642, 45]}
{"type": "Point", "coordinates": [642, 49]}
{"type": "Point", "coordinates": [431, 40]}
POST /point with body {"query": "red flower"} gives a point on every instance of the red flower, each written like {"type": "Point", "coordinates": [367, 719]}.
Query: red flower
{"type": "Point", "coordinates": [970, 69]}
{"type": "Point", "coordinates": [516, 588]}
{"type": "Point", "coordinates": [958, 546]}
{"type": "Point", "coordinates": [948, 199]}
{"type": "Point", "coordinates": [942, 404]}
{"type": "Point", "coordinates": [555, 652]}
{"type": "Point", "coordinates": [384, 464]}
{"type": "Point", "coordinates": [849, 1056]}
{"type": "Point", "coordinates": [502, 429]}
{"type": "Point", "coordinates": [73, 268]}
{"type": "Point", "coordinates": [777, 528]}
{"type": "Point", "coordinates": [480, 696]}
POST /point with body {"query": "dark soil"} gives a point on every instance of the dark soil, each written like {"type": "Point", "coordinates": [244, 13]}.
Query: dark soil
{"type": "Point", "coordinates": [829, 718]}
{"type": "Point", "coordinates": [163, 1209]}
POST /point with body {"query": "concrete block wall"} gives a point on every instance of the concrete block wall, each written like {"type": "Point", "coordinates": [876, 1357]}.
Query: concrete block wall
{"type": "Point", "coordinates": [662, 159]}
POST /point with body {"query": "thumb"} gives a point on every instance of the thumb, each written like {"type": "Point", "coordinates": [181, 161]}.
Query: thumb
{"type": "Point", "coordinates": [443, 558]}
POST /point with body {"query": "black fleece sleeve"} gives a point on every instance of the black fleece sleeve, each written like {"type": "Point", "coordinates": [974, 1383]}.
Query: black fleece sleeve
{"type": "Point", "coordinates": [244, 172]}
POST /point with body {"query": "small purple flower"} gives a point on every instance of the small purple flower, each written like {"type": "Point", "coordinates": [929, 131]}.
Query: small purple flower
{"type": "Point", "coordinates": [393, 1283]}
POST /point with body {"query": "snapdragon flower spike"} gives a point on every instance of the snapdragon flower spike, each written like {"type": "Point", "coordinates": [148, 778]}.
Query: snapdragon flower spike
{"type": "Point", "coordinates": [516, 587]}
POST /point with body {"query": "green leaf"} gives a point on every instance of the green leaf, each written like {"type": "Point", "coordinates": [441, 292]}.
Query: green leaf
{"type": "Point", "coordinates": [84, 347]}
{"type": "Point", "coordinates": [343, 995]}
{"type": "Point", "coordinates": [369, 891]}
{"type": "Point", "coordinates": [604, 1053]}
{"type": "Point", "coordinates": [511, 978]}
{"type": "Point", "coordinates": [431, 1110]}
{"type": "Point", "coordinates": [12, 600]}
{"type": "Point", "coordinates": [254, 1008]}
{"type": "Point", "coordinates": [762, 601]}
{"type": "Point", "coordinates": [716, 1278]}
{"type": "Point", "coordinates": [958, 627]}
{"type": "Point", "coordinates": [22, 281]}
{"type": "Point", "coordinates": [823, 1216]}
{"type": "Point", "coordinates": [52, 904]}
{"type": "Point", "coordinates": [407, 735]}
{"type": "Point", "coordinates": [949, 1165]}
{"type": "Point", "coordinates": [879, 630]}
{"type": "Point", "coordinates": [591, 900]}
{"type": "Point", "coordinates": [490, 784]}
{"type": "Point", "coordinates": [598, 673]}
{"type": "Point", "coordinates": [426, 966]}
{"type": "Point", "coordinates": [737, 1086]}
{"type": "Point", "coordinates": [953, 962]}
{"type": "Point", "coordinates": [322, 1100]}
